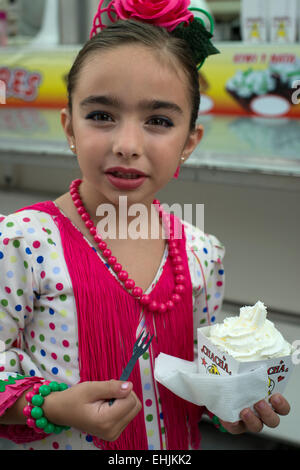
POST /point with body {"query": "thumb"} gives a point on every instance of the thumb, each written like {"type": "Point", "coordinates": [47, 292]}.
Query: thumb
{"type": "Point", "coordinates": [109, 389]}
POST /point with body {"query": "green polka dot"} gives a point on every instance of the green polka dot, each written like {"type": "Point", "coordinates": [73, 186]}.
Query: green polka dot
{"type": "Point", "coordinates": [149, 418]}
{"type": "Point", "coordinates": [43, 367]}
{"type": "Point", "coordinates": [25, 265]}
{"type": "Point", "coordinates": [16, 243]}
{"type": "Point", "coordinates": [4, 302]}
{"type": "Point", "coordinates": [10, 224]}
{"type": "Point", "coordinates": [206, 263]}
{"type": "Point", "coordinates": [146, 356]}
{"type": "Point", "coordinates": [163, 430]}
{"type": "Point", "coordinates": [42, 338]}
{"type": "Point", "coordinates": [63, 297]}
{"type": "Point", "coordinates": [9, 340]}
{"type": "Point", "coordinates": [208, 297]}
{"type": "Point", "coordinates": [42, 309]}
{"type": "Point", "coordinates": [48, 231]}
{"type": "Point", "coordinates": [33, 349]}
{"type": "Point", "coordinates": [67, 358]}
{"type": "Point", "coordinates": [20, 292]}
{"type": "Point", "coordinates": [202, 321]}
{"type": "Point", "coordinates": [12, 362]}
{"type": "Point", "coordinates": [50, 241]}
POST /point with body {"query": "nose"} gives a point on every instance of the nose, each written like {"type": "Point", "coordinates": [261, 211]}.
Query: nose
{"type": "Point", "coordinates": [128, 141]}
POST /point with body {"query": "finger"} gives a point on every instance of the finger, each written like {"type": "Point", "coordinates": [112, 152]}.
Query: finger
{"type": "Point", "coordinates": [280, 404]}
{"type": "Point", "coordinates": [124, 412]}
{"type": "Point", "coordinates": [234, 428]}
{"type": "Point", "coordinates": [267, 414]}
{"type": "Point", "coordinates": [252, 422]}
{"type": "Point", "coordinates": [105, 390]}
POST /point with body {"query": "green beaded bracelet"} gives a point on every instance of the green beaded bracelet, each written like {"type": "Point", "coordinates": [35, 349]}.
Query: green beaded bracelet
{"type": "Point", "coordinates": [36, 413]}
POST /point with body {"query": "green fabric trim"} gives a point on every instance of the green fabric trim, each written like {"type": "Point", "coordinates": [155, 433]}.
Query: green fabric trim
{"type": "Point", "coordinates": [10, 381]}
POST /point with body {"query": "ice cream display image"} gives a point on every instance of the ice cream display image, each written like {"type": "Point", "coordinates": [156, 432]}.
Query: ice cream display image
{"type": "Point", "coordinates": [265, 92]}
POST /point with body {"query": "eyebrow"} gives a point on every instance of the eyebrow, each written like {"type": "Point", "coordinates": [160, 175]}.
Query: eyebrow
{"type": "Point", "coordinates": [112, 101]}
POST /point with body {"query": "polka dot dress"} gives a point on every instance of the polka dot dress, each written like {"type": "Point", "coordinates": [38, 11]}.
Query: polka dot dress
{"type": "Point", "coordinates": [38, 323]}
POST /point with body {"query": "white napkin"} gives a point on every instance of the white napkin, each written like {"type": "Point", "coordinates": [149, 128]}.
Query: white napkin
{"type": "Point", "coordinates": [225, 396]}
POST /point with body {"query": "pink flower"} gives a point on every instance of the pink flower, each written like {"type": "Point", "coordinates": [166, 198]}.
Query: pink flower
{"type": "Point", "coordinates": [165, 13]}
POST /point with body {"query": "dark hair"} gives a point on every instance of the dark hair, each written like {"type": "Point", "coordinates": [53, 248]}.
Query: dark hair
{"type": "Point", "coordinates": [156, 38]}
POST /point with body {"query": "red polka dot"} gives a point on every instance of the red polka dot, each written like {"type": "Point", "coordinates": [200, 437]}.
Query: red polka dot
{"type": "Point", "coordinates": [55, 445]}
{"type": "Point", "coordinates": [52, 326]}
{"type": "Point", "coordinates": [59, 286]}
{"type": "Point", "coordinates": [216, 307]}
{"type": "Point", "coordinates": [65, 343]}
{"type": "Point", "coordinates": [36, 244]}
{"type": "Point", "coordinates": [32, 334]}
{"type": "Point", "coordinates": [1, 219]}
{"type": "Point", "coordinates": [54, 356]}
{"type": "Point", "coordinates": [50, 298]}
{"type": "Point", "coordinates": [148, 402]}
{"type": "Point", "coordinates": [21, 357]}
{"type": "Point", "coordinates": [6, 241]}
{"type": "Point", "coordinates": [43, 274]}
{"type": "Point", "coordinates": [28, 309]}
{"type": "Point", "coordinates": [219, 283]}
{"type": "Point", "coordinates": [26, 219]}
{"type": "Point", "coordinates": [2, 369]}
{"type": "Point", "coordinates": [8, 290]}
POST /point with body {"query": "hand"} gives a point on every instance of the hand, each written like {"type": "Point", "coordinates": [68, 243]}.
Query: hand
{"type": "Point", "coordinates": [85, 407]}
{"type": "Point", "coordinates": [268, 415]}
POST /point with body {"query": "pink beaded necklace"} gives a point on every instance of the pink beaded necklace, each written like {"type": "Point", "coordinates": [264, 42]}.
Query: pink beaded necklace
{"type": "Point", "coordinates": [129, 284]}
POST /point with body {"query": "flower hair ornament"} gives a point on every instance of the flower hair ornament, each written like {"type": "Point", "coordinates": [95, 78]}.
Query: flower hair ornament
{"type": "Point", "coordinates": [174, 15]}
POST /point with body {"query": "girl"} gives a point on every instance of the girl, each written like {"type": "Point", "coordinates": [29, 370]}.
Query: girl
{"type": "Point", "coordinates": [72, 304]}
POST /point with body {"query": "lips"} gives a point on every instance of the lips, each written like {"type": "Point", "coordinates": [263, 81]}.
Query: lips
{"type": "Point", "coordinates": [126, 173]}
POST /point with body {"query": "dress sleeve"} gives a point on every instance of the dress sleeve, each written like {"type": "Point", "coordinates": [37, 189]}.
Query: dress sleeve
{"type": "Point", "coordinates": [17, 291]}
{"type": "Point", "coordinates": [205, 256]}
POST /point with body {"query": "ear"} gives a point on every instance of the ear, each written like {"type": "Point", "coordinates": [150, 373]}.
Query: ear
{"type": "Point", "coordinates": [66, 122]}
{"type": "Point", "coordinates": [193, 140]}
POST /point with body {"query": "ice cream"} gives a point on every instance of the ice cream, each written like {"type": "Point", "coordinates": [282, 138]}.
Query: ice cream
{"type": "Point", "coordinates": [250, 336]}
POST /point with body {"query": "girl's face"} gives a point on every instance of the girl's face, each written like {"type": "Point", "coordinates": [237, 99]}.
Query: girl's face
{"type": "Point", "coordinates": [117, 121]}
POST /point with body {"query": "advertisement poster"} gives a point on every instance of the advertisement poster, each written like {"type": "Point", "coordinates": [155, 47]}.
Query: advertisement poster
{"type": "Point", "coordinates": [259, 80]}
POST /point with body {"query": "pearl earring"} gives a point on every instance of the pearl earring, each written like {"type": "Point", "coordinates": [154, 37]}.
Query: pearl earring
{"type": "Point", "coordinates": [72, 147]}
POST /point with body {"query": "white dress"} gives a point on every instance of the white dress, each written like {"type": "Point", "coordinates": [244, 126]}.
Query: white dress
{"type": "Point", "coordinates": [38, 322]}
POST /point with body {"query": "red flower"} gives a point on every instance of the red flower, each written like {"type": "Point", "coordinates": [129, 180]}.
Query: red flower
{"type": "Point", "coordinates": [165, 13]}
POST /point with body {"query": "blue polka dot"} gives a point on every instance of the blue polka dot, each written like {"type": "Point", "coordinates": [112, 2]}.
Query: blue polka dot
{"type": "Point", "coordinates": [31, 230]}
{"type": "Point", "coordinates": [32, 373]}
{"type": "Point", "coordinates": [19, 232]}
{"type": "Point", "coordinates": [18, 308]}
{"type": "Point", "coordinates": [40, 259]}
{"type": "Point", "coordinates": [1, 255]}
{"type": "Point", "coordinates": [89, 438]}
{"type": "Point", "coordinates": [221, 271]}
{"type": "Point", "coordinates": [51, 311]}
{"type": "Point", "coordinates": [28, 251]}
{"type": "Point", "coordinates": [54, 370]}
{"type": "Point", "coordinates": [217, 295]}
{"type": "Point", "coordinates": [64, 327]}
{"type": "Point", "coordinates": [53, 340]}
{"type": "Point", "coordinates": [147, 386]}
{"type": "Point", "coordinates": [161, 415]}
{"type": "Point", "coordinates": [205, 250]}
{"type": "Point", "coordinates": [205, 309]}
{"type": "Point", "coordinates": [43, 353]}
{"type": "Point", "coordinates": [213, 319]}
{"type": "Point", "coordinates": [10, 274]}
{"type": "Point", "coordinates": [151, 447]}
{"type": "Point", "coordinates": [68, 447]}
{"type": "Point", "coordinates": [56, 270]}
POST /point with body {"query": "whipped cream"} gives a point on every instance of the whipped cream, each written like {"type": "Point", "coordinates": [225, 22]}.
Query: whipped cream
{"type": "Point", "coordinates": [250, 336]}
